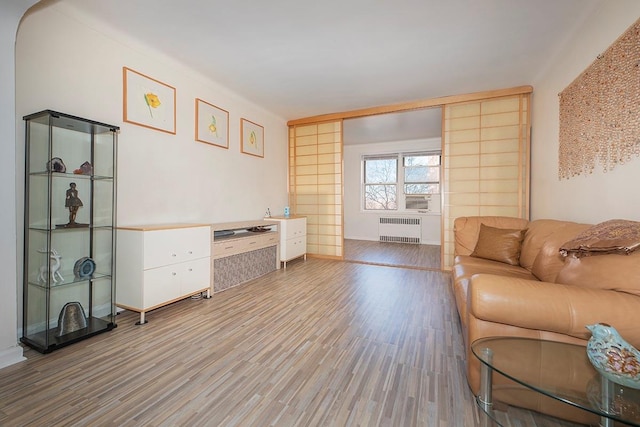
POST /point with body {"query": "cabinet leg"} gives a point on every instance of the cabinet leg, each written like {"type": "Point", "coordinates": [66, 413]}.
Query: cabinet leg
{"type": "Point", "coordinates": [284, 264]}
{"type": "Point", "coordinates": [305, 257]}
{"type": "Point", "coordinates": [207, 294]}
{"type": "Point", "coordinates": [142, 319]}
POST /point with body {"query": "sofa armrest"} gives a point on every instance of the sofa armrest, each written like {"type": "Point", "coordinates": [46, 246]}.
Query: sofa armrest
{"type": "Point", "coordinates": [553, 307]}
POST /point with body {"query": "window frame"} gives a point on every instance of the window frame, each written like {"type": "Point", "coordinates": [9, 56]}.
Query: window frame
{"type": "Point", "coordinates": [400, 194]}
{"type": "Point", "coordinates": [366, 183]}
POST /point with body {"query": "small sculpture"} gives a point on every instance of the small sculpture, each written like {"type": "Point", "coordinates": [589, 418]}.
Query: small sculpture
{"type": "Point", "coordinates": [73, 203]}
{"type": "Point", "coordinates": [612, 356]}
{"type": "Point", "coordinates": [84, 268]}
{"type": "Point", "coordinates": [56, 165]}
{"type": "Point", "coordinates": [84, 169]}
{"type": "Point", "coordinates": [51, 268]}
{"type": "Point", "coordinates": [71, 319]}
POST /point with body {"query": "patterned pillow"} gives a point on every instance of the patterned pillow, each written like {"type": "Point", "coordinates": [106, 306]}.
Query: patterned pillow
{"type": "Point", "coordinates": [499, 244]}
{"type": "Point", "coordinates": [616, 236]}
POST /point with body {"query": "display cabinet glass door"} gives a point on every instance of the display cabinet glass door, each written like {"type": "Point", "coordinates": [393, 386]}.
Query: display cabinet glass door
{"type": "Point", "coordinates": [69, 229]}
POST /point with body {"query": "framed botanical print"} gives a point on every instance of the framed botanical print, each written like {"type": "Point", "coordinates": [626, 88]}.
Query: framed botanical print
{"type": "Point", "coordinates": [148, 102]}
{"type": "Point", "coordinates": [251, 138]}
{"type": "Point", "coordinates": [212, 124]}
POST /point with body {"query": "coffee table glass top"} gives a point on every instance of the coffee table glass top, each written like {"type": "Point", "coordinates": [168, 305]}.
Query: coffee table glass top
{"type": "Point", "coordinates": [560, 371]}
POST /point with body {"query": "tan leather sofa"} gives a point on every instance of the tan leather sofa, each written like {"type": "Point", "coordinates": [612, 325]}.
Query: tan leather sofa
{"type": "Point", "coordinates": [546, 295]}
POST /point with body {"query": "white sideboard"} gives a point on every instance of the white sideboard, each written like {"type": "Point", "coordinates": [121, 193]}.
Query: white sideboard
{"type": "Point", "coordinates": [160, 264]}
{"type": "Point", "coordinates": [293, 237]}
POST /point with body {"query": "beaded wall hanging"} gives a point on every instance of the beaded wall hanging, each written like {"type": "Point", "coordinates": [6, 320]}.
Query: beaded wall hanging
{"type": "Point", "coordinates": [600, 111]}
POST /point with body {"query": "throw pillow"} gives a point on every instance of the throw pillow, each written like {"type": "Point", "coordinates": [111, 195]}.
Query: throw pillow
{"type": "Point", "coordinates": [616, 236]}
{"type": "Point", "coordinates": [499, 244]}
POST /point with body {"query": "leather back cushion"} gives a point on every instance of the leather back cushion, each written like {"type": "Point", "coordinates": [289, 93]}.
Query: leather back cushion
{"type": "Point", "coordinates": [545, 239]}
{"type": "Point", "coordinates": [499, 244]}
{"type": "Point", "coordinates": [616, 272]}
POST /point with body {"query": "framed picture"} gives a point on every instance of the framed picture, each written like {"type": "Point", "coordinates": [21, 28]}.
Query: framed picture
{"type": "Point", "coordinates": [212, 124]}
{"type": "Point", "coordinates": [148, 102]}
{"type": "Point", "coordinates": [251, 138]}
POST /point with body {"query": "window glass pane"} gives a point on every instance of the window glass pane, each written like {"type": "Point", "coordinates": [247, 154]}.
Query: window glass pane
{"type": "Point", "coordinates": [422, 188]}
{"type": "Point", "coordinates": [417, 174]}
{"type": "Point", "coordinates": [433, 174]}
{"type": "Point", "coordinates": [422, 160]}
{"type": "Point", "coordinates": [381, 171]}
{"type": "Point", "coordinates": [380, 197]}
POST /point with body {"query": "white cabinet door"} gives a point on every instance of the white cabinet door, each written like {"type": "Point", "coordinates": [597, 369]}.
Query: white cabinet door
{"type": "Point", "coordinates": [161, 284]}
{"type": "Point", "coordinates": [161, 247]}
{"type": "Point", "coordinates": [294, 248]}
{"type": "Point", "coordinates": [195, 275]}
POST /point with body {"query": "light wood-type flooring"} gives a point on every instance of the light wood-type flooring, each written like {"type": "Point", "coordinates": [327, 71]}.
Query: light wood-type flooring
{"type": "Point", "coordinates": [322, 343]}
{"type": "Point", "coordinates": [405, 255]}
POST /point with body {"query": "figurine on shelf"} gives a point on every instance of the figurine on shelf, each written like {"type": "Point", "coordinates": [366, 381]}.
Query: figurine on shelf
{"type": "Point", "coordinates": [51, 267]}
{"type": "Point", "coordinates": [84, 169]}
{"type": "Point", "coordinates": [72, 202]}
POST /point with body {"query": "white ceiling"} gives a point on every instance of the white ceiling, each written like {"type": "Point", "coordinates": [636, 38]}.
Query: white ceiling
{"type": "Point", "coordinates": [300, 58]}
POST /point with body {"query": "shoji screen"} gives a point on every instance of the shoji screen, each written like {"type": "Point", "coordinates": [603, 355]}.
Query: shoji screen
{"type": "Point", "coordinates": [315, 184]}
{"type": "Point", "coordinates": [486, 162]}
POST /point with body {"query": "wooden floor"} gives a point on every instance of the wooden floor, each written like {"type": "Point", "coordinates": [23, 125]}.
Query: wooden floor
{"type": "Point", "coordinates": [322, 343]}
{"type": "Point", "coordinates": [392, 254]}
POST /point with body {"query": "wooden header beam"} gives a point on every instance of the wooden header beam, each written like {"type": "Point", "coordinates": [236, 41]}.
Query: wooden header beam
{"type": "Point", "coordinates": [414, 105]}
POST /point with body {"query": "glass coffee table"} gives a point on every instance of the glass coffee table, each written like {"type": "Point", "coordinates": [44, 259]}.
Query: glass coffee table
{"type": "Point", "coordinates": [553, 378]}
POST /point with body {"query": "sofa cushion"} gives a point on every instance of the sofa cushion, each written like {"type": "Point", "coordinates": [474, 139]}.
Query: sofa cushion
{"type": "Point", "coordinates": [539, 232]}
{"type": "Point", "coordinates": [499, 244]}
{"type": "Point", "coordinates": [616, 272]}
{"type": "Point", "coordinates": [609, 237]}
{"type": "Point", "coordinates": [467, 266]}
{"type": "Point", "coordinates": [548, 260]}
{"type": "Point", "coordinates": [466, 230]}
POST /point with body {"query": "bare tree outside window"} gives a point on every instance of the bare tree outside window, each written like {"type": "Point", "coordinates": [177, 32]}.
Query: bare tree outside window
{"type": "Point", "coordinates": [380, 178]}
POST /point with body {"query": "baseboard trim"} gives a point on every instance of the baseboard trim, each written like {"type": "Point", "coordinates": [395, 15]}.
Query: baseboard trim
{"type": "Point", "coordinates": [10, 356]}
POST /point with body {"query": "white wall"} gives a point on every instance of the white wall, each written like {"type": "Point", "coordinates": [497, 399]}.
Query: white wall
{"type": "Point", "coordinates": [70, 63]}
{"type": "Point", "coordinates": [362, 225]}
{"type": "Point", "coordinates": [10, 13]}
{"type": "Point", "coordinates": [599, 196]}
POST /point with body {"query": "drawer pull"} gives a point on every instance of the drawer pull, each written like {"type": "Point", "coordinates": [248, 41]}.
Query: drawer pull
{"type": "Point", "coordinates": [173, 255]}
{"type": "Point", "coordinates": [190, 252]}
{"type": "Point", "coordinates": [191, 269]}
{"type": "Point", "coordinates": [173, 274]}
{"type": "Point", "coordinates": [229, 247]}
{"type": "Point", "coordinates": [252, 243]}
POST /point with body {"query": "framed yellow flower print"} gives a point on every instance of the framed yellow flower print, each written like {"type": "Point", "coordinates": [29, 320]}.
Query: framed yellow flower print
{"type": "Point", "coordinates": [251, 138]}
{"type": "Point", "coordinates": [212, 124]}
{"type": "Point", "coordinates": [148, 102]}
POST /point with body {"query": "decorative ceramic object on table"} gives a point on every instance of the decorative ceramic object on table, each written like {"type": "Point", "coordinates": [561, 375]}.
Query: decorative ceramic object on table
{"type": "Point", "coordinates": [612, 356]}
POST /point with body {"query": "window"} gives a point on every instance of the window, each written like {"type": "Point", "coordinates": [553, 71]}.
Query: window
{"type": "Point", "coordinates": [419, 179]}
{"type": "Point", "coordinates": [380, 182]}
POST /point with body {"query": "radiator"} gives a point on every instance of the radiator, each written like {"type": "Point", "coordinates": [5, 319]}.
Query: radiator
{"type": "Point", "coordinates": [399, 229]}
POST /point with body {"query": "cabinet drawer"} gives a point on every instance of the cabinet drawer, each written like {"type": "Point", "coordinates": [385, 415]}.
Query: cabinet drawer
{"type": "Point", "coordinates": [295, 228]}
{"type": "Point", "coordinates": [164, 247]}
{"type": "Point", "coordinates": [229, 247]}
{"type": "Point", "coordinates": [293, 248]}
{"type": "Point", "coordinates": [195, 276]}
{"type": "Point", "coordinates": [160, 285]}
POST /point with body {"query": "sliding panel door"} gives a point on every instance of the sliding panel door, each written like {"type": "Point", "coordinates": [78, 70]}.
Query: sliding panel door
{"type": "Point", "coordinates": [315, 184]}
{"type": "Point", "coordinates": [486, 162]}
